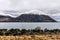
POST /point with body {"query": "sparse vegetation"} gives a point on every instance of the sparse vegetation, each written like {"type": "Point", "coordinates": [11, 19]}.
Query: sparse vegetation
{"type": "Point", "coordinates": [30, 34]}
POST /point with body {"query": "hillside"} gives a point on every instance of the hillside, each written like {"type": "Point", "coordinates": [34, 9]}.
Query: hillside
{"type": "Point", "coordinates": [34, 18]}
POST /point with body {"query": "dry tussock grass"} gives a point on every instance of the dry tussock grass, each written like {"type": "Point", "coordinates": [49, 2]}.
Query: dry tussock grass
{"type": "Point", "coordinates": [31, 37]}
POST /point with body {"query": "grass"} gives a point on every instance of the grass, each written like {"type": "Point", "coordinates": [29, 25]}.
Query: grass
{"type": "Point", "coordinates": [31, 37]}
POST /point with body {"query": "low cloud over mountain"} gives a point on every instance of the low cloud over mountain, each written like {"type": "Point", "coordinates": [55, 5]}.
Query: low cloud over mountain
{"type": "Point", "coordinates": [27, 18]}
{"type": "Point", "coordinates": [55, 14]}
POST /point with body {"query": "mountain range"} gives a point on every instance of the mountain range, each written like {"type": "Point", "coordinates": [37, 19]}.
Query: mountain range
{"type": "Point", "coordinates": [27, 18]}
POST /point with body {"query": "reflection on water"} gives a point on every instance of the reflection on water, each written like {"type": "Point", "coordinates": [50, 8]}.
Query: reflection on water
{"type": "Point", "coordinates": [29, 25]}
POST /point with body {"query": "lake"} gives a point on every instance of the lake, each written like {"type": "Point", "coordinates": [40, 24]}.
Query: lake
{"type": "Point", "coordinates": [21, 25]}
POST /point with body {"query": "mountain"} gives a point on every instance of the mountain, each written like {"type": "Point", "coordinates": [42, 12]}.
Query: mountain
{"type": "Point", "coordinates": [36, 12]}
{"type": "Point", "coordinates": [27, 18]}
{"type": "Point", "coordinates": [6, 18]}
{"type": "Point", "coordinates": [34, 18]}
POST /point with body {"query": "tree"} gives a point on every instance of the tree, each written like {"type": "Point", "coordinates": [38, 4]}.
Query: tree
{"type": "Point", "coordinates": [38, 28]}
{"type": "Point", "coordinates": [23, 31]}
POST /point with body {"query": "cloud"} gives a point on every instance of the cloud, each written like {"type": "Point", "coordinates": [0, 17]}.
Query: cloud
{"type": "Point", "coordinates": [4, 4]}
{"type": "Point", "coordinates": [34, 4]}
{"type": "Point", "coordinates": [28, 4]}
{"type": "Point", "coordinates": [2, 13]}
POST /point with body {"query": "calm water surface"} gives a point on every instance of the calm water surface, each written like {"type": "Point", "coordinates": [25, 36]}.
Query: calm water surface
{"type": "Point", "coordinates": [29, 25]}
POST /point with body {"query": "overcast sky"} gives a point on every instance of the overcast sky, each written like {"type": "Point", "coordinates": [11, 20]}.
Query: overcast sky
{"type": "Point", "coordinates": [48, 6]}
{"type": "Point", "coordinates": [29, 4]}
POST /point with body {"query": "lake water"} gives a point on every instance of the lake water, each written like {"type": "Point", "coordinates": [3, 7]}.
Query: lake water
{"type": "Point", "coordinates": [20, 25]}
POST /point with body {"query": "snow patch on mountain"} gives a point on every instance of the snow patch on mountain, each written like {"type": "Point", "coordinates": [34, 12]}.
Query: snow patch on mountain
{"type": "Point", "coordinates": [17, 13]}
{"type": "Point", "coordinates": [2, 13]}
{"type": "Point", "coordinates": [36, 12]}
